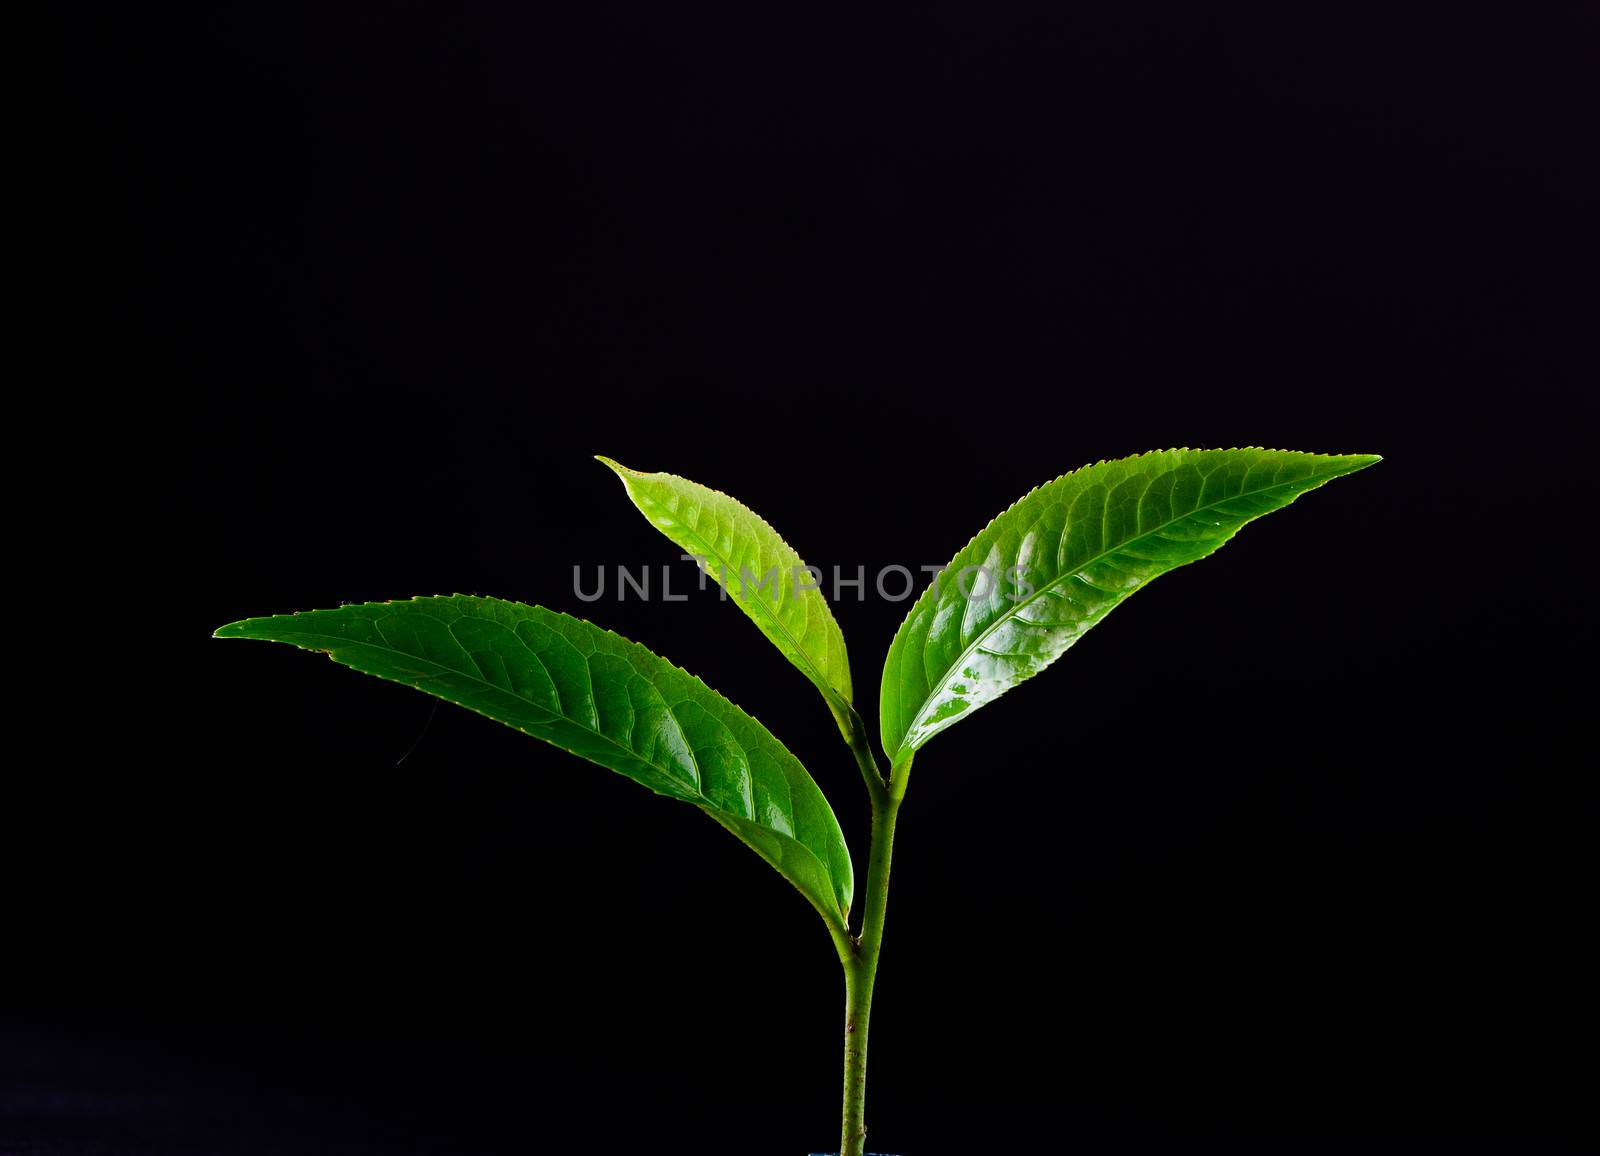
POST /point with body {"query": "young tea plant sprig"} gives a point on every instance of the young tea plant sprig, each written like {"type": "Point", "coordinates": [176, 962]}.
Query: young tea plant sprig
{"type": "Point", "coordinates": [1050, 567]}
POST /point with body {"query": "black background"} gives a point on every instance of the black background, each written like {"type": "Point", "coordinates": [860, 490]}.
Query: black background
{"type": "Point", "coordinates": [1296, 855]}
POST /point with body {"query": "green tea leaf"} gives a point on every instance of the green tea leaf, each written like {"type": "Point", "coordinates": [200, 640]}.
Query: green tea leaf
{"type": "Point", "coordinates": [596, 694]}
{"type": "Point", "coordinates": [759, 569]}
{"type": "Point", "coordinates": [1054, 564]}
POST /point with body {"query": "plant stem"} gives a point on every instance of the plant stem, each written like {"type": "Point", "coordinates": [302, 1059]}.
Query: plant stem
{"type": "Point", "coordinates": [860, 953]}
{"type": "Point", "coordinates": [855, 734]}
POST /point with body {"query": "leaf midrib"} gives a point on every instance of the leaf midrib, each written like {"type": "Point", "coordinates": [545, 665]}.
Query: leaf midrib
{"type": "Point", "coordinates": [1017, 608]}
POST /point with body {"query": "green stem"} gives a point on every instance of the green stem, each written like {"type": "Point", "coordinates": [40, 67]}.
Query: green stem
{"type": "Point", "coordinates": [855, 734]}
{"type": "Point", "coordinates": [859, 953]}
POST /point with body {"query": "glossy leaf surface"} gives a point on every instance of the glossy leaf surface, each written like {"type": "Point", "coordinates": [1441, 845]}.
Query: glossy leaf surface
{"type": "Point", "coordinates": [758, 569]}
{"type": "Point", "coordinates": [1060, 559]}
{"type": "Point", "coordinates": [596, 694]}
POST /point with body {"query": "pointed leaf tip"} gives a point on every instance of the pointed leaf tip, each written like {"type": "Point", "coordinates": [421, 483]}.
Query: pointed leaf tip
{"type": "Point", "coordinates": [616, 467]}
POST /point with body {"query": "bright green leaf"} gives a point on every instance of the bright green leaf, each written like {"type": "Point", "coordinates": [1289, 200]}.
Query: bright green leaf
{"type": "Point", "coordinates": [596, 694]}
{"type": "Point", "coordinates": [758, 568]}
{"type": "Point", "coordinates": [1055, 563]}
